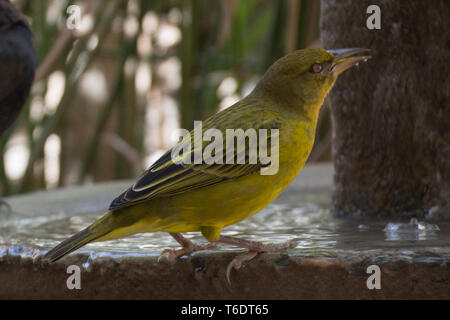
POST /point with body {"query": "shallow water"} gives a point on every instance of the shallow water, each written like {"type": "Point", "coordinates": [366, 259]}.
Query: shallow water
{"type": "Point", "coordinates": [304, 217]}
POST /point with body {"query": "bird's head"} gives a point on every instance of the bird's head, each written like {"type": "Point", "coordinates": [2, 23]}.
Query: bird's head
{"type": "Point", "coordinates": [303, 78]}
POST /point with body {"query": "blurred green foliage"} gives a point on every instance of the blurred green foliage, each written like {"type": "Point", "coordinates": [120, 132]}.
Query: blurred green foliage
{"type": "Point", "coordinates": [237, 38]}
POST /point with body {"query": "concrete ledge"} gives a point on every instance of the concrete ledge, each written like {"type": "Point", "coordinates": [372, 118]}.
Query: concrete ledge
{"type": "Point", "coordinates": [330, 261]}
{"type": "Point", "coordinates": [202, 276]}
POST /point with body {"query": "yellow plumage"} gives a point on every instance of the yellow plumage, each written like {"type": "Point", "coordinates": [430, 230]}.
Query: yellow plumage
{"type": "Point", "coordinates": [208, 197]}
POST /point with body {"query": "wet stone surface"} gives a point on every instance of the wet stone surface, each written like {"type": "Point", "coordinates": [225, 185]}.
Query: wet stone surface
{"type": "Point", "coordinates": [330, 260]}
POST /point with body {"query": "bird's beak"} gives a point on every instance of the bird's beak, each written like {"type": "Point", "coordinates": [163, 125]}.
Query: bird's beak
{"type": "Point", "coordinates": [346, 58]}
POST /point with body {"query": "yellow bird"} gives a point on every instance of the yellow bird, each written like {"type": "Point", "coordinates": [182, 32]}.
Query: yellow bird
{"type": "Point", "coordinates": [177, 196]}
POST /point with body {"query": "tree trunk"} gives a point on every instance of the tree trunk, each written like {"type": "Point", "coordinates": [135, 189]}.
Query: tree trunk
{"type": "Point", "coordinates": [391, 116]}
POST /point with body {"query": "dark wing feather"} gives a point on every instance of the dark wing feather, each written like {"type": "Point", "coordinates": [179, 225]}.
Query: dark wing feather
{"type": "Point", "coordinates": [166, 178]}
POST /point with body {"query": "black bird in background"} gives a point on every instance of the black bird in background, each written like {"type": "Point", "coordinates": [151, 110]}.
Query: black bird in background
{"type": "Point", "coordinates": [17, 63]}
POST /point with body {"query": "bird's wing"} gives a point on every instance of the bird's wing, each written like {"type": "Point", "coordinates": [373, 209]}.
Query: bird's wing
{"type": "Point", "coordinates": [168, 176]}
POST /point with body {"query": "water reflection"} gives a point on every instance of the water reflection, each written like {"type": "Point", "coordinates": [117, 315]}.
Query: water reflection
{"type": "Point", "coordinates": [308, 222]}
{"type": "Point", "coordinates": [414, 230]}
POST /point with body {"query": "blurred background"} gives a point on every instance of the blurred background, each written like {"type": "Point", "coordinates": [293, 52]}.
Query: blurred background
{"type": "Point", "coordinates": [115, 78]}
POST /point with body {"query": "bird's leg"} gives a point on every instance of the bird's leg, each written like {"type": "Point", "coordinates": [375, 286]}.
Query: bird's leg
{"type": "Point", "coordinates": [254, 247]}
{"type": "Point", "coordinates": [187, 247]}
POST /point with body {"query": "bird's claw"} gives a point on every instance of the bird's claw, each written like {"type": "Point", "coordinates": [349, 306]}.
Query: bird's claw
{"type": "Point", "coordinates": [237, 262]}
{"type": "Point", "coordinates": [172, 254]}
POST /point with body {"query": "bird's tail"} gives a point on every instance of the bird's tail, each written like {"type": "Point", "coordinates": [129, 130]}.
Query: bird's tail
{"type": "Point", "coordinates": [73, 243]}
{"type": "Point", "coordinates": [97, 230]}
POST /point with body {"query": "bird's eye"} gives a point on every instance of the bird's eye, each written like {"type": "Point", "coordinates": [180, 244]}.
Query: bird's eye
{"type": "Point", "coordinates": [316, 68]}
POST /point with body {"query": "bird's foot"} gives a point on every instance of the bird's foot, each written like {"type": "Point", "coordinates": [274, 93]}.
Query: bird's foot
{"type": "Point", "coordinates": [237, 262]}
{"type": "Point", "coordinates": [254, 247]}
{"type": "Point", "coordinates": [173, 254]}
{"type": "Point", "coordinates": [187, 247]}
